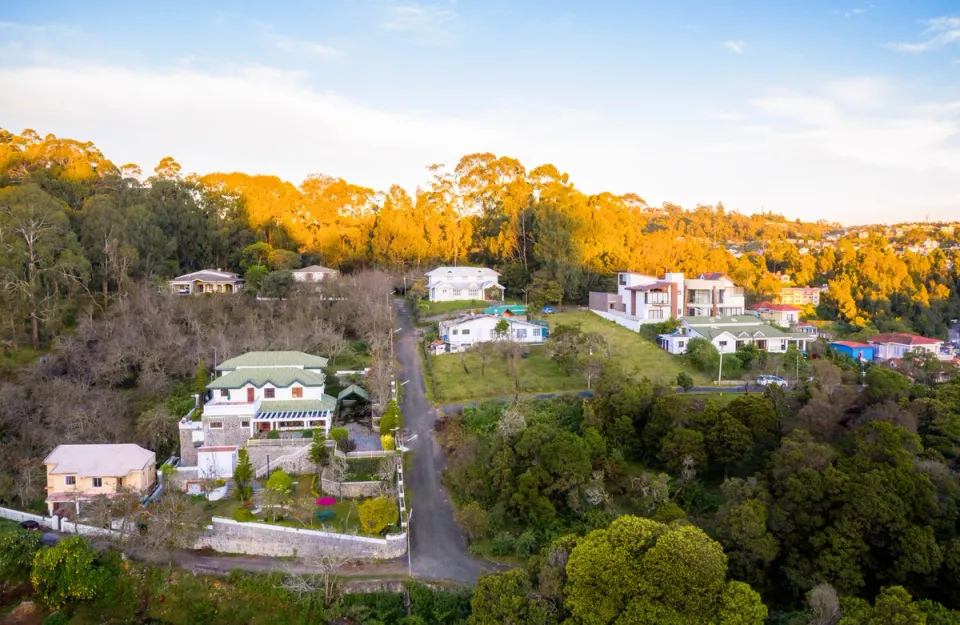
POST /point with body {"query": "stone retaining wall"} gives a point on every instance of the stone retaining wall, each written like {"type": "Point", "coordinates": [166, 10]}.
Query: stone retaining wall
{"type": "Point", "coordinates": [302, 465]}
{"type": "Point", "coordinates": [276, 541]}
{"type": "Point", "coordinates": [351, 490]}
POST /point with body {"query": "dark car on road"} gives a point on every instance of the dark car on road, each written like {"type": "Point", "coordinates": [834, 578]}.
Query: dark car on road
{"type": "Point", "coordinates": [30, 525]}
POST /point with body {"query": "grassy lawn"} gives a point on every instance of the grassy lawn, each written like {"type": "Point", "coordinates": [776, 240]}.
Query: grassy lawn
{"type": "Point", "coordinates": [435, 308]}
{"type": "Point", "coordinates": [222, 508]}
{"type": "Point", "coordinates": [539, 374]}
{"type": "Point", "coordinates": [633, 352]}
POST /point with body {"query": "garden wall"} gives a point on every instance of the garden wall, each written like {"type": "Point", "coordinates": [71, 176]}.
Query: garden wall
{"type": "Point", "coordinates": [261, 539]}
{"type": "Point", "coordinates": [299, 466]}
{"type": "Point", "coordinates": [15, 515]}
{"type": "Point", "coordinates": [351, 490]}
{"type": "Point", "coordinates": [630, 324]}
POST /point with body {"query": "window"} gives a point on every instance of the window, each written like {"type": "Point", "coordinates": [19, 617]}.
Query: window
{"type": "Point", "coordinates": [622, 279]}
{"type": "Point", "coordinates": [655, 314]}
{"type": "Point", "coordinates": [224, 393]}
{"type": "Point", "coordinates": [536, 332]}
{"type": "Point", "coordinates": [456, 292]}
{"type": "Point", "coordinates": [680, 344]}
{"type": "Point", "coordinates": [466, 331]}
{"type": "Point", "coordinates": [244, 424]}
{"type": "Point", "coordinates": [98, 482]}
{"type": "Point", "coordinates": [70, 480]}
{"type": "Point", "coordinates": [297, 392]}
{"type": "Point", "coordinates": [474, 293]}
{"type": "Point", "coordinates": [521, 333]}
{"type": "Point", "coordinates": [723, 344]}
{"type": "Point", "coordinates": [456, 331]}
{"type": "Point", "coordinates": [269, 393]}
{"type": "Point", "coordinates": [216, 425]}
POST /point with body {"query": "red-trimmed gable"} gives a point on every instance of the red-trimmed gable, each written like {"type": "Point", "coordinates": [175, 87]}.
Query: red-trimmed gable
{"type": "Point", "coordinates": [899, 338]}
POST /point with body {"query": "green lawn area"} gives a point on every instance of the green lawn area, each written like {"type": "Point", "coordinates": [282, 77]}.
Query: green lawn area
{"type": "Point", "coordinates": [435, 308]}
{"type": "Point", "coordinates": [634, 353]}
{"type": "Point", "coordinates": [539, 374]}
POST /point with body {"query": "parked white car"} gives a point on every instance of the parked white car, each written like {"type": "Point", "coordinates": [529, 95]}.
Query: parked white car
{"type": "Point", "coordinates": [767, 380]}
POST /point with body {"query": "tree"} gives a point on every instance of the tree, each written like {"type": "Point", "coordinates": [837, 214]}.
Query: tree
{"type": "Point", "coordinates": [728, 441]}
{"type": "Point", "coordinates": [157, 429]}
{"type": "Point", "coordinates": [885, 384]}
{"type": "Point", "coordinates": [473, 518]}
{"type": "Point", "coordinates": [683, 443]}
{"type": "Point", "coordinates": [742, 528]}
{"type": "Point", "coordinates": [319, 452]}
{"type": "Point", "coordinates": [17, 551]}
{"type": "Point", "coordinates": [376, 514]}
{"type": "Point", "coordinates": [278, 284]}
{"type": "Point", "coordinates": [41, 258]}
{"type": "Point", "coordinates": [172, 523]}
{"type": "Point", "coordinates": [895, 606]}
{"type": "Point", "coordinates": [280, 481]}
{"type": "Point", "coordinates": [684, 381]}
{"type": "Point", "coordinates": [323, 567]}
{"type": "Point", "coordinates": [502, 329]}
{"type": "Point", "coordinates": [387, 442]}
{"type": "Point", "coordinates": [200, 381]}
{"type": "Point", "coordinates": [68, 573]}
{"type": "Point", "coordinates": [243, 475]}
{"type": "Point", "coordinates": [505, 599]}
{"type": "Point", "coordinates": [392, 418]}
{"type": "Point", "coordinates": [253, 278]}
{"type": "Point", "coordinates": [677, 575]}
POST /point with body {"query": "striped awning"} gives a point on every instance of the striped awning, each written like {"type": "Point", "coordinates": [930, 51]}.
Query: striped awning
{"type": "Point", "coordinates": [291, 415]}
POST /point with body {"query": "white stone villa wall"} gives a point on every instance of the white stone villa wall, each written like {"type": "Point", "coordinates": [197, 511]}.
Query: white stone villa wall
{"type": "Point", "coordinates": [16, 515]}
{"type": "Point", "coordinates": [630, 324]}
{"type": "Point", "coordinates": [261, 539]}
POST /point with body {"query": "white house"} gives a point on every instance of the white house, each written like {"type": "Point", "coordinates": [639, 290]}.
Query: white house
{"type": "Point", "coordinates": [446, 284]}
{"type": "Point", "coordinates": [217, 462]}
{"type": "Point", "coordinates": [461, 333]}
{"type": "Point", "coordinates": [730, 333]}
{"type": "Point", "coordinates": [784, 315]}
{"type": "Point", "coordinates": [256, 393]}
{"type": "Point", "coordinates": [206, 281]}
{"type": "Point", "coordinates": [314, 273]}
{"type": "Point", "coordinates": [649, 299]}
{"type": "Point", "coordinates": [895, 345]}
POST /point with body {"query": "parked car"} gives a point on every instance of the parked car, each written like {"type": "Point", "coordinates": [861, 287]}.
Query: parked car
{"type": "Point", "coordinates": [548, 310]}
{"type": "Point", "coordinates": [30, 525]}
{"type": "Point", "coordinates": [184, 290]}
{"type": "Point", "coordinates": [768, 380]}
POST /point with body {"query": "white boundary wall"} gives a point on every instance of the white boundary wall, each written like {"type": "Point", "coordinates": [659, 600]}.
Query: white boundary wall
{"type": "Point", "coordinates": [630, 324]}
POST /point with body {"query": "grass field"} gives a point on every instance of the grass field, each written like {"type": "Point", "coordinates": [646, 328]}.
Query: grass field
{"type": "Point", "coordinates": [435, 308]}
{"type": "Point", "coordinates": [540, 374]}
{"type": "Point", "coordinates": [634, 353]}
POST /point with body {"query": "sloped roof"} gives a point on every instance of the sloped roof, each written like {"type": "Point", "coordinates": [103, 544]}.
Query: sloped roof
{"type": "Point", "coordinates": [776, 307]}
{"type": "Point", "coordinates": [99, 460]}
{"type": "Point", "coordinates": [208, 275]}
{"type": "Point", "coordinates": [853, 344]}
{"type": "Point", "coordinates": [722, 320]}
{"type": "Point", "coordinates": [273, 359]}
{"type": "Point", "coordinates": [315, 269]}
{"type": "Point", "coordinates": [270, 406]}
{"type": "Point", "coordinates": [902, 339]}
{"type": "Point", "coordinates": [514, 309]}
{"type": "Point", "coordinates": [353, 389]}
{"type": "Point", "coordinates": [459, 269]}
{"type": "Point", "coordinates": [277, 376]}
{"type": "Point", "coordinates": [660, 284]}
{"type": "Point", "coordinates": [714, 275]}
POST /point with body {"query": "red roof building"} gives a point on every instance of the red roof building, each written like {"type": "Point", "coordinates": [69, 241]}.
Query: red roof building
{"type": "Point", "coordinates": [895, 344]}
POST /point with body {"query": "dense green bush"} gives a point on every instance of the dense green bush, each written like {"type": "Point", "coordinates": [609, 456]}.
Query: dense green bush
{"type": "Point", "coordinates": [244, 515]}
{"type": "Point", "coordinates": [17, 550]}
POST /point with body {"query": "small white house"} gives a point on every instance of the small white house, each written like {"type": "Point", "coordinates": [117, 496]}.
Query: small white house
{"type": "Point", "coordinates": [731, 333]}
{"type": "Point", "coordinates": [466, 331]}
{"type": "Point", "coordinates": [445, 284]}
{"type": "Point", "coordinates": [784, 315]}
{"type": "Point", "coordinates": [217, 462]}
{"type": "Point", "coordinates": [314, 273]}
{"type": "Point", "coordinates": [896, 345]}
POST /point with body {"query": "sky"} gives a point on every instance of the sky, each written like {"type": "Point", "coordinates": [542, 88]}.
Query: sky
{"type": "Point", "coordinates": [847, 111]}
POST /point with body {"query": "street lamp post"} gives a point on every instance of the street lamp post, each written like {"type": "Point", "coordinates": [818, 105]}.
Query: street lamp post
{"type": "Point", "coordinates": [720, 371]}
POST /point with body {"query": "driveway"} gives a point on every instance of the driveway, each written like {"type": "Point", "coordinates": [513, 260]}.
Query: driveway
{"type": "Point", "coordinates": [438, 546]}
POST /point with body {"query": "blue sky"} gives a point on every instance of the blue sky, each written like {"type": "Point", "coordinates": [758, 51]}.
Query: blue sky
{"type": "Point", "coordinates": [846, 111]}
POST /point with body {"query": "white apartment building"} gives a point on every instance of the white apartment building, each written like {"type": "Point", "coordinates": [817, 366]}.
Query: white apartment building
{"type": "Point", "coordinates": [649, 299]}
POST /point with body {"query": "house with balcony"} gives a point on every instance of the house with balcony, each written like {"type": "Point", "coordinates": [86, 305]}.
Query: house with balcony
{"type": "Point", "coordinates": [255, 394]}
{"type": "Point", "coordinates": [445, 284]}
{"type": "Point", "coordinates": [648, 299]}
{"type": "Point", "coordinates": [464, 332]}
{"type": "Point", "coordinates": [783, 315]}
{"type": "Point", "coordinates": [894, 345]}
{"type": "Point", "coordinates": [728, 334]}
{"type": "Point", "coordinates": [206, 281]}
{"type": "Point", "coordinates": [79, 473]}
{"type": "Point", "coordinates": [799, 296]}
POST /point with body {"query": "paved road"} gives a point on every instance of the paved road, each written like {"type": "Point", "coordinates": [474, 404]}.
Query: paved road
{"type": "Point", "coordinates": [438, 546]}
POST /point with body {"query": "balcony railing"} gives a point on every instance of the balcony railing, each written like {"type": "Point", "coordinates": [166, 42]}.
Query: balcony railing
{"type": "Point", "coordinates": [214, 408]}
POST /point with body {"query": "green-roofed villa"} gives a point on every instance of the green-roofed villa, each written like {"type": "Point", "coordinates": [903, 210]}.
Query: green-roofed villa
{"type": "Point", "coordinates": [259, 392]}
{"type": "Point", "coordinates": [730, 333]}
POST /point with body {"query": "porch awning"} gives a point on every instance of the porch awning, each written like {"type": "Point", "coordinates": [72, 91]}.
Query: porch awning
{"type": "Point", "coordinates": [292, 415]}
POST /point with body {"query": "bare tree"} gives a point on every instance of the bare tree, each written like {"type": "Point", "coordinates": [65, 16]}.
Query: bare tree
{"type": "Point", "coordinates": [172, 522]}
{"type": "Point", "coordinates": [511, 353]}
{"type": "Point", "coordinates": [322, 578]}
{"type": "Point", "coordinates": [823, 605]}
{"type": "Point", "coordinates": [511, 422]}
{"type": "Point", "coordinates": [336, 471]}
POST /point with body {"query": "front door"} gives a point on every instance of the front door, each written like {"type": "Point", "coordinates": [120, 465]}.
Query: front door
{"type": "Point", "coordinates": [250, 395]}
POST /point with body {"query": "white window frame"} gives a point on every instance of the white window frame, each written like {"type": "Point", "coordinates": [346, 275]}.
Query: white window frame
{"type": "Point", "coordinates": [215, 425]}
{"type": "Point", "coordinates": [521, 333]}
{"type": "Point", "coordinates": [70, 480]}
{"type": "Point", "coordinates": [97, 482]}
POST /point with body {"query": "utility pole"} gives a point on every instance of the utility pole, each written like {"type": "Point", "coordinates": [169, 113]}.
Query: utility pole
{"type": "Point", "coordinates": [720, 372]}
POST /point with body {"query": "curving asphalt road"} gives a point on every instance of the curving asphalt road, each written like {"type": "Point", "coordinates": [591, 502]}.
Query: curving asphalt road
{"type": "Point", "coordinates": [438, 546]}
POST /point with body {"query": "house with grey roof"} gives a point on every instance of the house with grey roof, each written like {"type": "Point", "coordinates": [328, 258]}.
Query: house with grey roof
{"type": "Point", "coordinates": [314, 273]}
{"type": "Point", "coordinates": [255, 394]}
{"type": "Point", "coordinates": [445, 284]}
{"type": "Point", "coordinates": [79, 473]}
{"type": "Point", "coordinates": [206, 281]}
{"type": "Point", "coordinates": [730, 333]}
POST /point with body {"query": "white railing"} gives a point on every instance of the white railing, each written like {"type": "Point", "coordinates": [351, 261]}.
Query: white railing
{"type": "Point", "coordinates": [231, 409]}
{"type": "Point", "coordinates": [379, 453]}
{"type": "Point", "coordinates": [278, 442]}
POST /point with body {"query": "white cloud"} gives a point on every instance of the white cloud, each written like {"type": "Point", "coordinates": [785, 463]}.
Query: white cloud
{"type": "Point", "coordinates": [737, 46]}
{"type": "Point", "coordinates": [301, 46]}
{"type": "Point", "coordinates": [940, 32]}
{"type": "Point", "coordinates": [427, 21]}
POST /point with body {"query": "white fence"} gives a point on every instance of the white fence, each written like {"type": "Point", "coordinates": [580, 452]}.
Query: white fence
{"type": "Point", "coordinates": [631, 323]}
{"type": "Point", "coordinates": [278, 442]}
{"type": "Point", "coordinates": [15, 515]}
